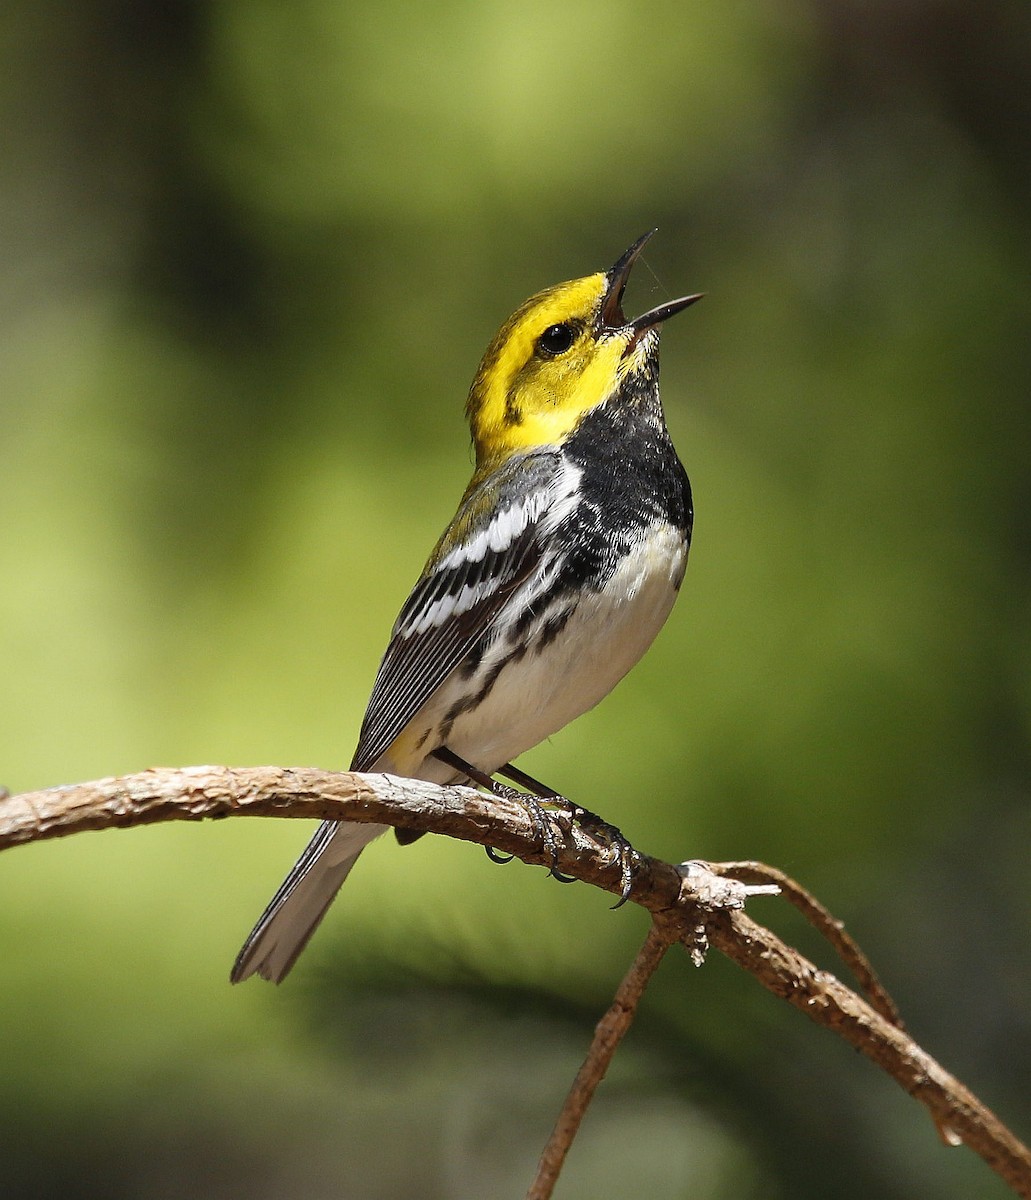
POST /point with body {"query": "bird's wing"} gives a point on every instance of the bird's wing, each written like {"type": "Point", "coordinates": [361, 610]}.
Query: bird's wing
{"type": "Point", "coordinates": [497, 541]}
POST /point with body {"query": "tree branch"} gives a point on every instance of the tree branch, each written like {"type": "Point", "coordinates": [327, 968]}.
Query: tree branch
{"type": "Point", "coordinates": [707, 906]}
{"type": "Point", "coordinates": [608, 1034]}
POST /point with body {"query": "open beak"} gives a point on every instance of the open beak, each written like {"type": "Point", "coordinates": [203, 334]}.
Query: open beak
{"type": "Point", "coordinates": [612, 316]}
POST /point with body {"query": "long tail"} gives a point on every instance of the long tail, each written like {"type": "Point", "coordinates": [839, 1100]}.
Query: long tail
{"type": "Point", "coordinates": [294, 912]}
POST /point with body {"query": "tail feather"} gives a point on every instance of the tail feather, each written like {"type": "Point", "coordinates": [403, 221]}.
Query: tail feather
{"type": "Point", "coordinates": [294, 912]}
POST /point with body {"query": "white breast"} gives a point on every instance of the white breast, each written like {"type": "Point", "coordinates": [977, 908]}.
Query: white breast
{"type": "Point", "coordinates": [536, 695]}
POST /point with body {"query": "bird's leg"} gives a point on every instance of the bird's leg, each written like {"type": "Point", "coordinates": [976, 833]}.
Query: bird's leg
{"type": "Point", "coordinates": [540, 790]}
{"type": "Point", "coordinates": [622, 851]}
{"type": "Point", "coordinates": [517, 775]}
{"type": "Point", "coordinates": [530, 804]}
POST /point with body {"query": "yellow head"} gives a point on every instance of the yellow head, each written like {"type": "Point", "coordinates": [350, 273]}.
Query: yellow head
{"type": "Point", "coordinates": [561, 353]}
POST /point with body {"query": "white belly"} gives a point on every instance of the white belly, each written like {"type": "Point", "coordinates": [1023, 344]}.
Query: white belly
{"type": "Point", "coordinates": [538, 694]}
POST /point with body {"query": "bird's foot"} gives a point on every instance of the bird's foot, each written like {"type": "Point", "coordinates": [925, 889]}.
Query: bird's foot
{"type": "Point", "coordinates": [530, 801]}
{"type": "Point", "coordinates": [621, 851]}
{"type": "Point", "coordinates": [540, 819]}
{"type": "Point", "coordinates": [546, 809]}
{"type": "Point", "coordinates": [572, 814]}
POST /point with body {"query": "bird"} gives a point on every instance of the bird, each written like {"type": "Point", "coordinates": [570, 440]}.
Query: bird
{"type": "Point", "coordinates": [561, 564]}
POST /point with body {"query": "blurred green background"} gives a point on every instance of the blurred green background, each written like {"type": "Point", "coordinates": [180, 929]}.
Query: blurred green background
{"type": "Point", "coordinates": [252, 254]}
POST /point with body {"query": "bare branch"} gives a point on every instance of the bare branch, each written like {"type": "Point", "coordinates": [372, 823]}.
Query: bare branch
{"type": "Point", "coordinates": [960, 1117]}
{"type": "Point", "coordinates": [200, 793]}
{"type": "Point", "coordinates": [608, 1034]}
{"type": "Point", "coordinates": [825, 923]}
{"type": "Point", "coordinates": [196, 793]}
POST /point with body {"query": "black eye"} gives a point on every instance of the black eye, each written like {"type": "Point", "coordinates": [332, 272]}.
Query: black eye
{"type": "Point", "coordinates": [556, 339]}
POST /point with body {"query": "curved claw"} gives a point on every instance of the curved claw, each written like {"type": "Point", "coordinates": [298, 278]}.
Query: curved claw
{"type": "Point", "coordinates": [557, 875]}
{"type": "Point", "coordinates": [624, 895]}
{"type": "Point", "coordinates": [620, 850]}
{"type": "Point", "coordinates": [495, 857]}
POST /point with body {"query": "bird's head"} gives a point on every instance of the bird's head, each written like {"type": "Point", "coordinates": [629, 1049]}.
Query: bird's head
{"type": "Point", "coordinates": [563, 352]}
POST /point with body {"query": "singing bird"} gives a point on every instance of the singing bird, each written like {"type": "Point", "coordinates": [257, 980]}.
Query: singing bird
{"type": "Point", "coordinates": [559, 568]}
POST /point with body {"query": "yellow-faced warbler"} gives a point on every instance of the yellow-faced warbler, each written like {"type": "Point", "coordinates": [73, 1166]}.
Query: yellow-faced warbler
{"type": "Point", "coordinates": [553, 578]}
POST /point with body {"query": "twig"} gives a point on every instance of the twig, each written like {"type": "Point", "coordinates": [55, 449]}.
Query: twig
{"type": "Point", "coordinates": [195, 793]}
{"type": "Point", "coordinates": [960, 1117]}
{"type": "Point", "coordinates": [608, 1034]}
{"type": "Point", "coordinates": [848, 950]}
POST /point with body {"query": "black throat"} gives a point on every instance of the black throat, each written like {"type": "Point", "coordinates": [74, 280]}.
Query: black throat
{"type": "Point", "coordinates": [631, 480]}
{"type": "Point", "coordinates": [631, 471]}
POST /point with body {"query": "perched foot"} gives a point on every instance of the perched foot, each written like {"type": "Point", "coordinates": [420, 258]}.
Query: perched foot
{"type": "Point", "coordinates": [558, 803]}
{"type": "Point", "coordinates": [530, 803]}
{"type": "Point", "coordinates": [555, 807]}
{"type": "Point", "coordinates": [622, 852]}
